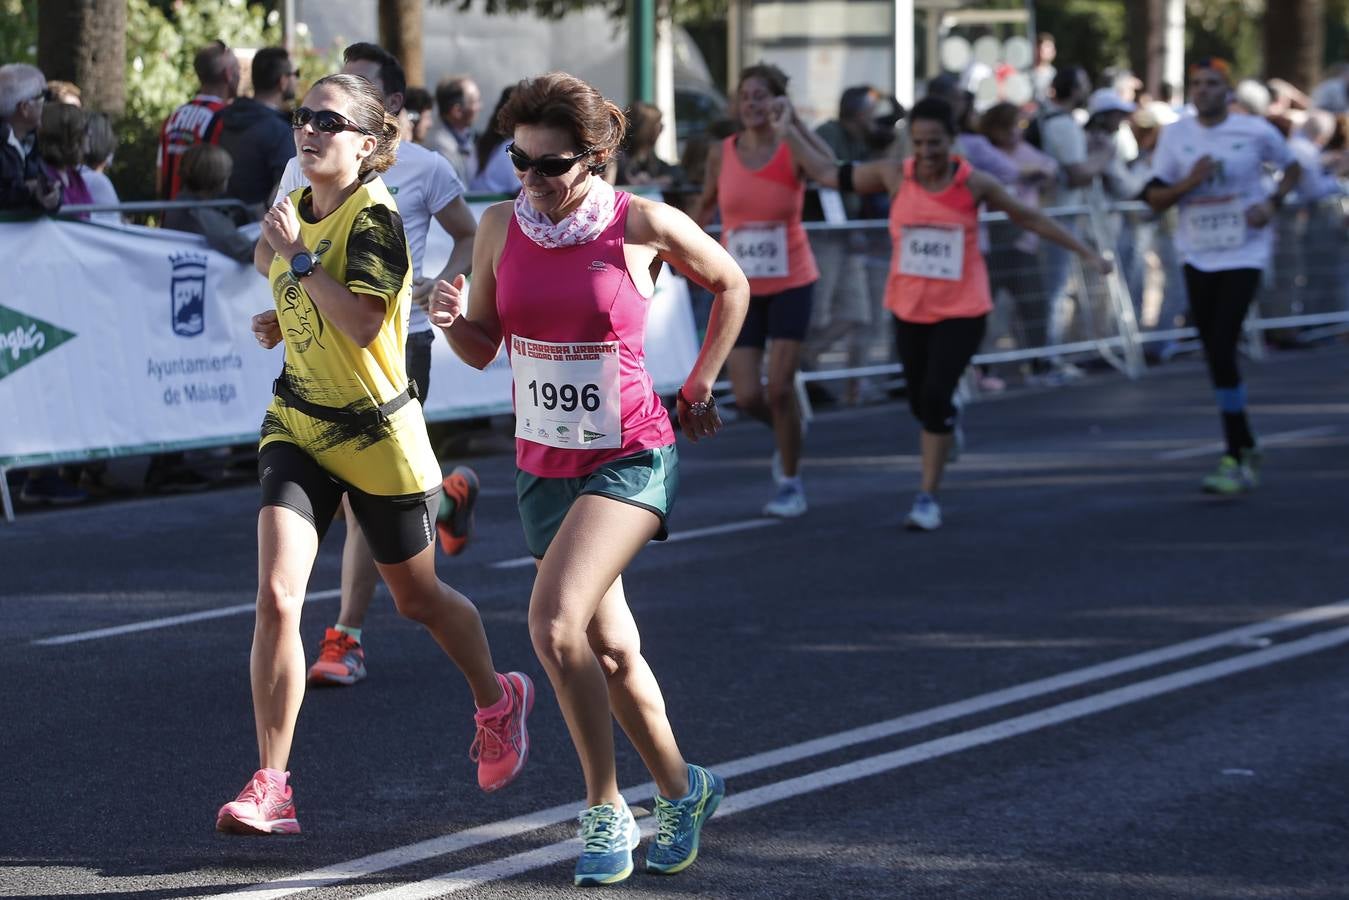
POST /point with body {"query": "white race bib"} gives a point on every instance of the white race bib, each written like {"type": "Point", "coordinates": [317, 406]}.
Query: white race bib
{"type": "Point", "coordinates": [760, 250]}
{"type": "Point", "coordinates": [1217, 223]}
{"type": "Point", "coordinates": [567, 395]}
{"type": "Point", "coordinates": [932, 251]}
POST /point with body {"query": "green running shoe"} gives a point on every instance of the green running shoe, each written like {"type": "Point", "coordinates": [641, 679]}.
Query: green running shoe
{"type": "Point", "coordinates": [1251, 459]}
{"type": "Point", "coordinates": [679, 822]}
{"type": "Point", "coordinates": [1229, 479]}
{"type": "Point", "coordinates": [608, 836]}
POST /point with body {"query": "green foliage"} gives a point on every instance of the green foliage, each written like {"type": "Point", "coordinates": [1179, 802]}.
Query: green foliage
{"type": "Point", "coordinates": [1226, 28]}
{"type": "Point", "coordinates": [1089, 33]}
{"type": "Point", "coordinates": [159, 49]}
{"type": "Point", "coordinates": [18, 31]}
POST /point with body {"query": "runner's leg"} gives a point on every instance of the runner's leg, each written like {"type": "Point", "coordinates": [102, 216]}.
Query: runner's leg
{"type": "Point", "coordinates": [598, 539]}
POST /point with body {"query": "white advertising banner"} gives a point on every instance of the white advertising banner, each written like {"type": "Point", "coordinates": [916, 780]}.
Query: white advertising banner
{"type": "Point", "coordinates": [130, 340]}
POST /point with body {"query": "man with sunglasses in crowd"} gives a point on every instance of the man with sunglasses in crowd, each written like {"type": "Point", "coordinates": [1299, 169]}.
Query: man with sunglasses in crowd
{"type": "Point", "coordinates": [23, 183]}
{"type": "Point", "coordinates": [425, 187]}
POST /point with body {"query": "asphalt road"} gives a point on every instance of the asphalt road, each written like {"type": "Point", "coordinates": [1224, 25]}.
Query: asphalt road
{"type": "Point", "coordinates": [1093, 682]}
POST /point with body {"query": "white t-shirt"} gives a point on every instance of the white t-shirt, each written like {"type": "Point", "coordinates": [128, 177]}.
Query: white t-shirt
{"type": "Point", "coordinates": [102, 191]}
{"type": "Point", "coordinates": [1241, 146]}
{"type": "Point", "coordinates": [498, 175]}
{"type": "Point", "coordinates": [1066, 141]}
{"type": "Point", "coordinates": [422, 183]}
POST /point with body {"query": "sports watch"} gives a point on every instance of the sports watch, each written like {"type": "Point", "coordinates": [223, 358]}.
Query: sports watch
{"type": "Point", "coordinates": [302, 265]}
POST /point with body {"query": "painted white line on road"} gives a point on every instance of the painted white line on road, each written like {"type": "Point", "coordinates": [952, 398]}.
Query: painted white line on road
{"type": "Point", "coordinates": [169, 621]}
{"type": "Point", "coordinates": [712, 530]}
{"type": "Point", "coordinates": [1282, 437]}
{"type": "Point", "coordinates": [793, 788]}
{"type": "Point", "coordinates": [482, 834]}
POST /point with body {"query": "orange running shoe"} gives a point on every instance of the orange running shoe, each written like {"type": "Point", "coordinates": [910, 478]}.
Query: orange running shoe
{"type": "Point", "coordinates": [460, 486]}
{"type": "Point", "coordinates": [501, 745]}
{"type": "Point", "coordinates": [262, 807]}
{"type": "Point", "coordinates": [341, 660]}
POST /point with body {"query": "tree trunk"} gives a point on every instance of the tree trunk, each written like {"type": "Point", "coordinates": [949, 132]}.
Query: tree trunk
{"type": "Point", "coordinates": [84, 41]}
{"type": "Point", "coordinates": [400, 32]}
{"type": "Point", "coordinates": [1295, 39]}
{"type": "Point", "coordinates": [1145, 23]}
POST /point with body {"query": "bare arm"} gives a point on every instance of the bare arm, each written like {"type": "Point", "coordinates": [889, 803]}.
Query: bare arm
{"type": "Point", "coordinates": [262, 257]}
{"type": "Point", "coordinates": [1162, 197]}
{"type": "Point", "coordinates": [988, 191]}
{"type": "Point", "coordinates": [457, 220]}
{"type": "Point", "coordinates": [1259, 215]}
{"type": "Point", "coordinates": [707, 200]}
{"type": "Point", "coordinates": [357, 315]}
{"type": "Point", "coordinates": [475, 334]}
{"type": "Point", "coordinates": [678, 240]}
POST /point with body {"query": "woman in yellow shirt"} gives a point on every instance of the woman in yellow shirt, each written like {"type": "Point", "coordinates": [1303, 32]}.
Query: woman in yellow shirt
{"type": "Point", "coordinates": [345, 420]}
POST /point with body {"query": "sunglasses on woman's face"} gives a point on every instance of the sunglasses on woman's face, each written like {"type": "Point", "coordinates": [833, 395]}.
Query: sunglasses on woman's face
{"type": "Point", "coordinates": [546, 166]}
{"type": "Point", "coordinates": [324, 120]}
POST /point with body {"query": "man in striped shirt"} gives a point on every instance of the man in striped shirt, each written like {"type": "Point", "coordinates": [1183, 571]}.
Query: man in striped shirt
{"type": "Point", "coordinates": [195, 121]}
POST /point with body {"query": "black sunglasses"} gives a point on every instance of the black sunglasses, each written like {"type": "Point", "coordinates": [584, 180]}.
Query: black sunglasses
{"type": "Point", "coordinates": [45, 95]}
{"type": "Point", "coordinates": [324, 120]}
{"type": "Point", "coordinates": [546, 166]}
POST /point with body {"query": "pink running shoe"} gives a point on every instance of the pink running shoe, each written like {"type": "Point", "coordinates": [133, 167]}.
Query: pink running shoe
{"type": "Point", "coordinates": [260, 808]}
{"type": "Point", "coordinates": [501, 746]}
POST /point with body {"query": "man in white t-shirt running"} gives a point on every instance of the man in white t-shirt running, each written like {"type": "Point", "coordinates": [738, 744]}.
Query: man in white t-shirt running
{"type": "Point", "coordinates": [1214, 165]}
{"type": "Point", "coordinates": [425, 187]}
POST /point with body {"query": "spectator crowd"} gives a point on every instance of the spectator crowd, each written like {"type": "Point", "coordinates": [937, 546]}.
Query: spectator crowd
{"type": "Point", "coordinates": [1082, 140]}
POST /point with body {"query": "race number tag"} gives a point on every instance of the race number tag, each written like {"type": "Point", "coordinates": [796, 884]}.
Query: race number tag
{"type": "Point", "coordinates": [760, 250]}
{"type": "Point", "coordinates": [567, 395]}
{"type": "Point", "coordinates": [932, 251]}
{"type": "Point", "coordinates": [1217, 223]}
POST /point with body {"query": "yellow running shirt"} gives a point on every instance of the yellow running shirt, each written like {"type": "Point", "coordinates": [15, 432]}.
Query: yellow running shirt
{"type": "Point", "coordinates": [362, 245]}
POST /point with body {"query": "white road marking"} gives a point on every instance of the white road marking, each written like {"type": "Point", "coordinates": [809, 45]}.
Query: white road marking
{"type": "Point", "coordinates": [508, 828]}
{"type": "Point", "coordinates": [169, 621]}
{"type": "Point", "coordinates": [1282, 437]}
{"type": "Point", "coordinates": [792, 788]}
{"type": "Point", "coordinates": [729, 528]}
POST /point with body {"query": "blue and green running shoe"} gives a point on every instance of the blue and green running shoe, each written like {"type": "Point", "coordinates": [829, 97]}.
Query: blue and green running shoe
{"type": "Point", "coordinates": [679, 822]}
{"type": "Point", "coordinates": [608, 837]}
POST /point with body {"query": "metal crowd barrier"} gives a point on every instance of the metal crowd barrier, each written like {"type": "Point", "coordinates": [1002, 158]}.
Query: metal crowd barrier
{"type": "Point", "coordinates": [1049, 310]}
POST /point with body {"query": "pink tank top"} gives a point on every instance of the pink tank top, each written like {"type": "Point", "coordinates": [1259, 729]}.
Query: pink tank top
{"type": "Point", "coordinates": [581, 295]}
{"type": "Point", "coordinates": [771, 197]}
{"type": "Point", "coordinates": [931, 221]}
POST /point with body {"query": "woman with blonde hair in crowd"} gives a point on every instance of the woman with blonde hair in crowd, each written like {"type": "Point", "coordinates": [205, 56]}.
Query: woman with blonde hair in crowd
{"type": "Point", "coordinates": [345, 420]}
{"type": "Point", "coordinates": [564, 276]}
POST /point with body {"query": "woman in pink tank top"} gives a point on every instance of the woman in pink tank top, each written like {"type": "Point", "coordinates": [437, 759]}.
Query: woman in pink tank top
{"type": "Point", "coordinates": [757, 182]}
{"type": "Point", "coordinates": [938, 285]}
{"type": "Point", "coordinates": [564, 277]}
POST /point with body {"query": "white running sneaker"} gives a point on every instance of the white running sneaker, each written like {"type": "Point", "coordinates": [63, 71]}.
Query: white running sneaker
{"type": "Point", "coordinates": [925, 514]}
{"type": "Point", "coordinates": [789, 503]}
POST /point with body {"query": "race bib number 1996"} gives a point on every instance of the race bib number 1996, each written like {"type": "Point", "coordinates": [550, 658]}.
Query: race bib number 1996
{"type": "Point", "coordinates": [567, 395]}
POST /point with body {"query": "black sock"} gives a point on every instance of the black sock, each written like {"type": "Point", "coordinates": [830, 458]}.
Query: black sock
{"type": "Point", "coordinates": [1237, 432]}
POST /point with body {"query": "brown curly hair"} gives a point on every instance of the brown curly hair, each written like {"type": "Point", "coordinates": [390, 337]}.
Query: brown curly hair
{"type": "Point", "coordinates": [565, 102]}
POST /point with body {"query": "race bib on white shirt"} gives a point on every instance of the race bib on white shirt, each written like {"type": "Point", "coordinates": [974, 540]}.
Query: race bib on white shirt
{"type": "Point", "coordinates": [760, 250]}
{"type": "Point", "coordinates": [932, 251]}
{"type": "Point", "coordinates": [1214, 223]}
{"type": "Point", "coordinates": [567, 395]}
